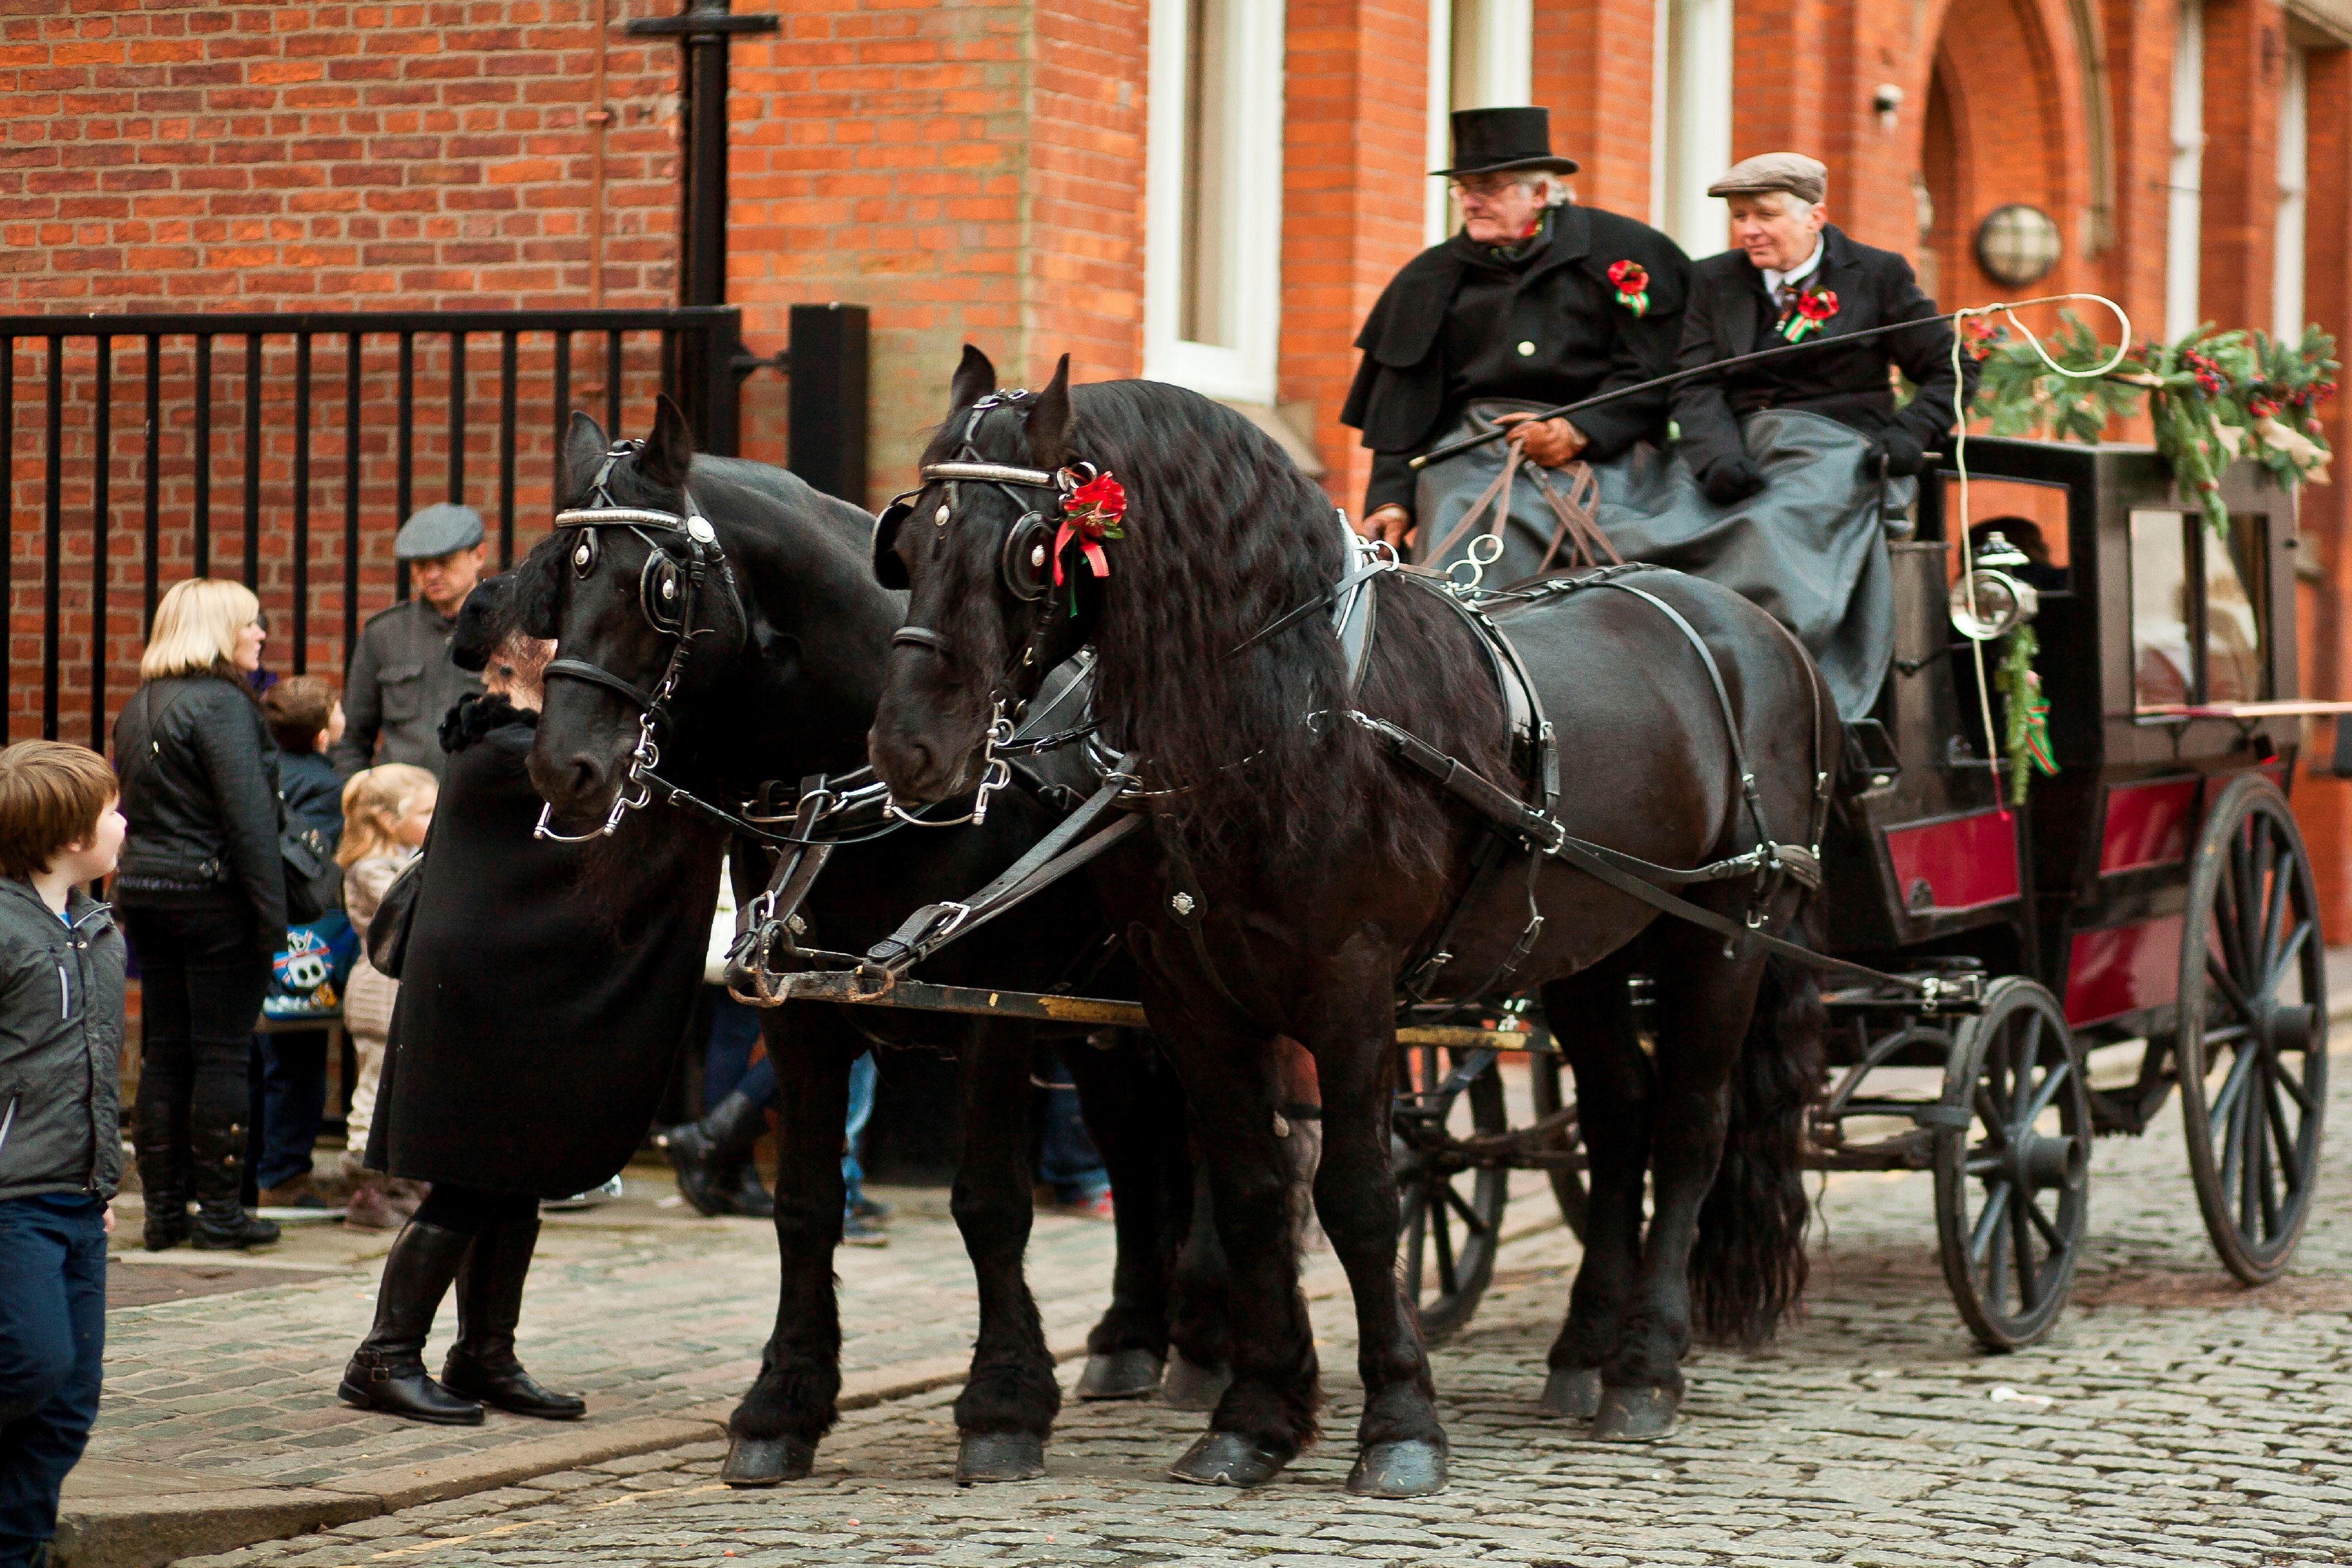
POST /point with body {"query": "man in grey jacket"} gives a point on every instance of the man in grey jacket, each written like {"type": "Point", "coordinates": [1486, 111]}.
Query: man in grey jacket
{"type": "Point", "coordinates": [60, 1146]}
{"type": "Point", "coordinates": [402, 680]}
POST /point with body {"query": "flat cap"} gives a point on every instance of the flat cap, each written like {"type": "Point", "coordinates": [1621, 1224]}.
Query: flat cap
{"type": "Point", "coordinates": [437, 530]}
{"type": "Point", "coordinates": [1807, 179]}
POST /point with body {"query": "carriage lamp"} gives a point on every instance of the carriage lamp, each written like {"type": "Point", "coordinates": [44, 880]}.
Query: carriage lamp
{"type": "Point", "coordinates": [2018, 244]}
{"type": "Point", "coordinates": [1988, 602]}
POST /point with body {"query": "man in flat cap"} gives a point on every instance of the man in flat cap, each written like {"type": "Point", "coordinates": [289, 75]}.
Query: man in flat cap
{"type": "Point", "coordinates": [1791, 275]}
{"type": "Point", "coordinates": [1537, 301]}
{"type": "Point", "coordinates": [401, 679]}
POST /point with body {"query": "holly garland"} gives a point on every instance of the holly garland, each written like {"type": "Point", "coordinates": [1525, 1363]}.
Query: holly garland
{"type": "Point", "coordinates": [2212, 397]}
{"type": "Point", "coordinates": [2025, 713]}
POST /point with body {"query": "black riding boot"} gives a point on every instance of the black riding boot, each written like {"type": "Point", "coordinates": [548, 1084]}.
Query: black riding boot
{"type": "Point", "coordinates": [164, 1186]}
{"type": "Point", "coordinates": [709, 1156]}
{"type": "Point", "coordinates": [387, 1372]}
{"type": "Point", "coordinates": [222, 1223]}
{"type": "Point", "coordinates": [482, 1364]}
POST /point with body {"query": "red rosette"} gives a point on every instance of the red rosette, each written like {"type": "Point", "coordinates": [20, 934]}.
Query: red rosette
{"type": "Point", "coordinates": [1817, 304]}
{"type": "Point", "coordinates": [1629, 276]}
{"type": "Point", "coordinates": [1091, 514]}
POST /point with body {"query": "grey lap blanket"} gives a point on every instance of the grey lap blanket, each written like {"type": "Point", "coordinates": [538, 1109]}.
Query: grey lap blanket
{"type": "Point", "coordinates": [1810, 546]}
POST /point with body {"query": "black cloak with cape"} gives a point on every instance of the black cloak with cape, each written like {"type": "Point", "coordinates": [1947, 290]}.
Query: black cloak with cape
{"type": "Point", "coordinates": [547, 986]}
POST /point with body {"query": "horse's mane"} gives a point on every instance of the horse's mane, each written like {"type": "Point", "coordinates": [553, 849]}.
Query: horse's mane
{"type": "Point", "coordinates": [1223, 535]}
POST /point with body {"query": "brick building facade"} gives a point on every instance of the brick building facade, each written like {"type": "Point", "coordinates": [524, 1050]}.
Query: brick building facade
{"type": "Point", "coordinates": [1207, 191]}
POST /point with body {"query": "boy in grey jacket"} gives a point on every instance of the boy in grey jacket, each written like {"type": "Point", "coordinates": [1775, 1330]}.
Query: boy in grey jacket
{"type": "Point", "coordinates": [60, 1149]}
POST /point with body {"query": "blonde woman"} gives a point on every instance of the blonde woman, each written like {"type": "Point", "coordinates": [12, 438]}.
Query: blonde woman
{"type": "Point", "coordinates": [387, 812]}
{"type": "Point", "coordinates": [202, 896]}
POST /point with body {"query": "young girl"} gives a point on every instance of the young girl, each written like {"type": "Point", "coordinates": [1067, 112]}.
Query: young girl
{"type": "Point", "coordinates": [385, 812]}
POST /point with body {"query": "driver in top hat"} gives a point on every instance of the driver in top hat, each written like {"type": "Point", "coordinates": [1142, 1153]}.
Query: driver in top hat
{"type": "Point", "coordinates": [1791, 275]}
{"type": "Point", "coordinates": [1537, 300]}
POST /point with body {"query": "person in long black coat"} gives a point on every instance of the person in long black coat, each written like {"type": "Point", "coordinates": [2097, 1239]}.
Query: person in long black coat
{"type": "Point", "coordinates": [1789, 277]}
{"type": "Point", "coordinates": [544, 992]}
{"type": "Point", "coordinates": [1529, 315]}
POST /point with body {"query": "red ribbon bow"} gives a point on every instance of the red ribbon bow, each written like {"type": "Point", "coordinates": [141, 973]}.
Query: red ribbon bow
{"type": "Point", "coordinates": [1091, 515]}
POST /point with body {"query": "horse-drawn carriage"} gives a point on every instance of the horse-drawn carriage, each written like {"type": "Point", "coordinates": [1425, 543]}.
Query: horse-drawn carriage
{"type": "Point", "coordinates": [2143, 920]}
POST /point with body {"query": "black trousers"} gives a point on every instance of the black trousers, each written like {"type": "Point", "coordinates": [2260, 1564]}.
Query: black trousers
{"type": "Point", "coordinates": [202, 978]}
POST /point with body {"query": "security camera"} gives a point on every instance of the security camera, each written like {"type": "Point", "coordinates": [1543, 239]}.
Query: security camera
{"type": "Point", "coordinates": [1886, 99]}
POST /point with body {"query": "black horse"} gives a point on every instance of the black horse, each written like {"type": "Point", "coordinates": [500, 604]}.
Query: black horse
{"type": "Point", "coordinates": [1300, 873]}
{"type": "Point", "coordinates": [779, 660]}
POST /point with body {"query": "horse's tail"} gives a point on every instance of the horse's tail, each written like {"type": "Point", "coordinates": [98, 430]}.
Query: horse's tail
{"type": "Point", "coordinates": [1747, 1266]}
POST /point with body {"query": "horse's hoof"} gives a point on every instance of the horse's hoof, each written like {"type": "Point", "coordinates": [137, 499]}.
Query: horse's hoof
{"type": "Point", "coordinates": [1192, 1386]}
{"type": "Point", "coordinates": [765, 1461]}
{"type": "Point", "coordinates": [1122, 1375]}
{"type": "Point", "coordinates": [1571, 1392]}
{"type": "Point", "coordinates": [1227, 1459]}
{"type": "Point", "coordinates": [1635, 1415]}
{"type": "Point", "coordinates": [1413, 1468]}
{"type": "Point", "coordinates": [1000, 1457]}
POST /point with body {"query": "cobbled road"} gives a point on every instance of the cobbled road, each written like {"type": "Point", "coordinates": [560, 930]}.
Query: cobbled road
{"type": "Point", "coordinates": [2173, 1418]}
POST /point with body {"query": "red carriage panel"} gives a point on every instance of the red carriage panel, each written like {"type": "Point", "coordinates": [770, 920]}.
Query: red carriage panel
{"type": "Point", "coordinates": [2123, 968]}
{"type": "Point", "coordinates": [2147, 824]}
{"type": "Point", "coordinates": [1956, 864]}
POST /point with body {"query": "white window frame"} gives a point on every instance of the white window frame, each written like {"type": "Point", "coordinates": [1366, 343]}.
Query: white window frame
{"type": "Point", "coordinates": [1690, 120]}
{"type": "Point", "coordinates": [1502, 40]}
{"type": "Point", "coordinates": [1245, 372]}
{"type": "Point", "coordinates": [2287, 260]}
{"type": "Point", "coordinates": [2185, 202]}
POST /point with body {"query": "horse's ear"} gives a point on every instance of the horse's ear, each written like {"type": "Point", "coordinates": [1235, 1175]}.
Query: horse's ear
{"type": "Point", "coordinates": [534, 589]}
{"type": "Point", "coordinates": [1049, 421]}
{"type": "Point", "coordinates": [583, 448]}
{"type": "Point", "coordinates": [669, 451]}
{"type": "Point", "coordinates": [975, 378]}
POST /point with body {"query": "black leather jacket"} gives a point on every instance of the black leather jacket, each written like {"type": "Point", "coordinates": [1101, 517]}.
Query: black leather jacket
{"type": "Point", "coordinates": [199, 774]}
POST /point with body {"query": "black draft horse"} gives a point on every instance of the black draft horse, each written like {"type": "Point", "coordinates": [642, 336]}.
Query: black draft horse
{"type": "Point", "coordinates": [1300, 872]}
{"type": "Point", "coordinates": [779, 682]}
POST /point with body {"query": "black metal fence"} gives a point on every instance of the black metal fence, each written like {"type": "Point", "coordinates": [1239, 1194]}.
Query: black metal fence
{"type": "Point", "coordinates": [286, 449]}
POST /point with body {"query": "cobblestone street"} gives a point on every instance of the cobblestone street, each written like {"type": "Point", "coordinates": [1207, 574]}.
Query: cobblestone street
{"type": "Point", "coordinates": [2171, 1418]}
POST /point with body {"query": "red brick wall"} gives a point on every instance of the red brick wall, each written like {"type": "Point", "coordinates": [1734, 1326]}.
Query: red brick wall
{"type": "Point", "coordinates": [1593, 71]}
{"type": "Point", "coordinates": [1354, 132]}
{"type": "Point", "coordinates": [172, 151]}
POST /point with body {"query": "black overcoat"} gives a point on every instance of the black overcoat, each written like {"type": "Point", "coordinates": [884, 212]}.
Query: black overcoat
{"type": "Point", "coordinates": [1729, 314]}
{"type": "Point", "coordinates": [1585, 342]}
{"type": "Point", "coordinates": [546, 986]}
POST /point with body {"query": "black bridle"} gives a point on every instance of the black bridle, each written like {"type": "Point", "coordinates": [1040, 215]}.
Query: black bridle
{"type": "Point", "coordinates": [670, 595]}
{"type": "Point", "coordinates": [1024, 561]}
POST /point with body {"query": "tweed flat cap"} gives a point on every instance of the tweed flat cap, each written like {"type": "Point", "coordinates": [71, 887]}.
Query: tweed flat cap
{"type": "Point", "coordinates": [437, 530]}
{"type": "Point", "coordinates": [1807, 179]}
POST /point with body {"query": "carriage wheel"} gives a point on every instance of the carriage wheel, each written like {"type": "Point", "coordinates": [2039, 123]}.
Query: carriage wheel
{"type": "Point", "coordinates": [2251, 1045]}
{"type": "Point", "coordinates": [1450, 1218]}
{"type": "Point", "coordinates": [2013, 1180]}
{"type": "Point", "coordinates": [1547, 1088]}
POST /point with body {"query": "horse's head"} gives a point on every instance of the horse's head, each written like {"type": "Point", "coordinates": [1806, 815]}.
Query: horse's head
{"type": "Point", "coordinates": [1000, 548]}
{"type": "Point", "coordinates": [635, 589]}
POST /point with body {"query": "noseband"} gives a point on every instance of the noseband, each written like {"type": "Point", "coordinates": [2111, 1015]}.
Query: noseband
{"type": "Point", "coordinates": [669, 596]}
{"type": "Point", "coordinates": [1025, 561]}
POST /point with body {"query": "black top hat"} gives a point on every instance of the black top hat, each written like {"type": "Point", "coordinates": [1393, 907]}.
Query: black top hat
{"type": "Point", "coordinates": [1501, 141]}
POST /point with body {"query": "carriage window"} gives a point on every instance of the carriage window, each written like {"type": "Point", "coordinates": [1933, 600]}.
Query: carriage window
{"type": "Point", "coordinates": [2162, 671]}
{"type": "Point", "coordinates": [2235, 668]}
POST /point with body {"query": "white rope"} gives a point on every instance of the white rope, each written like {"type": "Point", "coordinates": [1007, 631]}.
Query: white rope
{"type": "Point", "coordinates": [1960, 463]}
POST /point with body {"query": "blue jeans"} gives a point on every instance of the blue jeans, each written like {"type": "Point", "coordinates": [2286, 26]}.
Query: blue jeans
{"type": "Point", "coordinates": [52, 1337]}
{"type": "Point", "coordinates": [734, 1030]}
{"type": "Point", "coordinates": [1066, 1160]}
{"type": "Point", "coordinates": [293, 1092]}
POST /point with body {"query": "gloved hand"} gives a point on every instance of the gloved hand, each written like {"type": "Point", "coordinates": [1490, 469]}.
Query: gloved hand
{"type": "Point", "coordinates": [1731, 480]}
{"type": "Point", "coordinates": [1901, 451]}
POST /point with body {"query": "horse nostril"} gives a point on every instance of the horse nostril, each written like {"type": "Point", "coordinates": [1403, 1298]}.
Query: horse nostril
{"type": "Point", "coordinates": [583, 777]}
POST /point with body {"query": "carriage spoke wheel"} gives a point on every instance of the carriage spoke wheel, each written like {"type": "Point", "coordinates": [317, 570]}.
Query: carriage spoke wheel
{"type": "Point", "coordinates": [1450, 1218]}
{"type": "Point", "coordinates": [2252, 1043]}
{"type": "Point", "coordinates": [2012, 1165]}
{"type": "Point", "coordinates": [1550, 1087]}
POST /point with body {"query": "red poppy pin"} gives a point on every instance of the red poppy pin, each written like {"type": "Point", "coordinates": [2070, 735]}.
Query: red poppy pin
{"type": "Point", "coordinates": [1805, 317]}
{"type": "Point", "coordinates": [1632, 281]}
{"type": "Point", "coordinates": [1091, 514]}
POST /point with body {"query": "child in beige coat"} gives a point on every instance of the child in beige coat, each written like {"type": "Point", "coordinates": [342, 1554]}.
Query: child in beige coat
{"type": "Point", "coordinates": [386, 811]}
